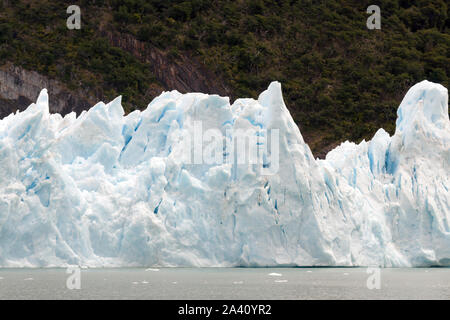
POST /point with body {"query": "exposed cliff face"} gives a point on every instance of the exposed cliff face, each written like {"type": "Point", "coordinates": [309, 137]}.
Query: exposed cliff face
{"type": "Point", "coordinates": [184, 74]}
{"type": "Point", "coordinates": [19, 87]}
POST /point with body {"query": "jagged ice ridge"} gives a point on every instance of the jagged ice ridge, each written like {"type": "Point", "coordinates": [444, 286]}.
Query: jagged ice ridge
{"type": "Point", "coordinates": [104, 189]}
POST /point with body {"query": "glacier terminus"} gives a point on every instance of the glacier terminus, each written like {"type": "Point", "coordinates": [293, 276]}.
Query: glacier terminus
{"type": "Point", "coordinates": [106, 189]}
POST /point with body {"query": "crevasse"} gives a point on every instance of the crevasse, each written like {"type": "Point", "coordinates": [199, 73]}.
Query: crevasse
{"type": "Point", "coordinates": [104, 189]}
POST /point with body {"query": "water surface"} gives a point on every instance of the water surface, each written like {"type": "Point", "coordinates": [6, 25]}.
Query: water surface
{"type": "Point", "coordinates": [226, 283]}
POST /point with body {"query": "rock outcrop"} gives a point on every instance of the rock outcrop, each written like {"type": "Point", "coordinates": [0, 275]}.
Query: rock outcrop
{"type": "Point", "coordinates": [19, 87]}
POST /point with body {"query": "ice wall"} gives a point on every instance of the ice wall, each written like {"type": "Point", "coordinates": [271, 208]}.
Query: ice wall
{"type": "Point", "coordinates": [104, 189]}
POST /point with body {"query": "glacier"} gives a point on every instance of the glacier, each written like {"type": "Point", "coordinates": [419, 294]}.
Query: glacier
{"type": "Point", "coordinates": [106, 189]}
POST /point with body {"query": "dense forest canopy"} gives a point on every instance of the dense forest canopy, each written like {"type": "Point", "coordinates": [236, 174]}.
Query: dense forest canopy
{"type": "Point", "coordinates": [340, 80]}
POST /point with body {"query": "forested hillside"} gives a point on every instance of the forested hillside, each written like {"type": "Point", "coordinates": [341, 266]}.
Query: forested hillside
{"type": "Point", "coordinates": [340, 80]}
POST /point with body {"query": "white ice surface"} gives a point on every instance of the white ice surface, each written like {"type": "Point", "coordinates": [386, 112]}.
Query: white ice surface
{"type": "Point", "coordinates": [104, 189]}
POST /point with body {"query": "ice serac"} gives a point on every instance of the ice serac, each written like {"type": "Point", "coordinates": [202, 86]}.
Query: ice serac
{"type": "Point", "coordinates": [105, 189]}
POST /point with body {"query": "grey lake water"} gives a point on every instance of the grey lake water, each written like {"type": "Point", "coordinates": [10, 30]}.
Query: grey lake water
{"type": "Point", "coordinates": [227, 283]}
